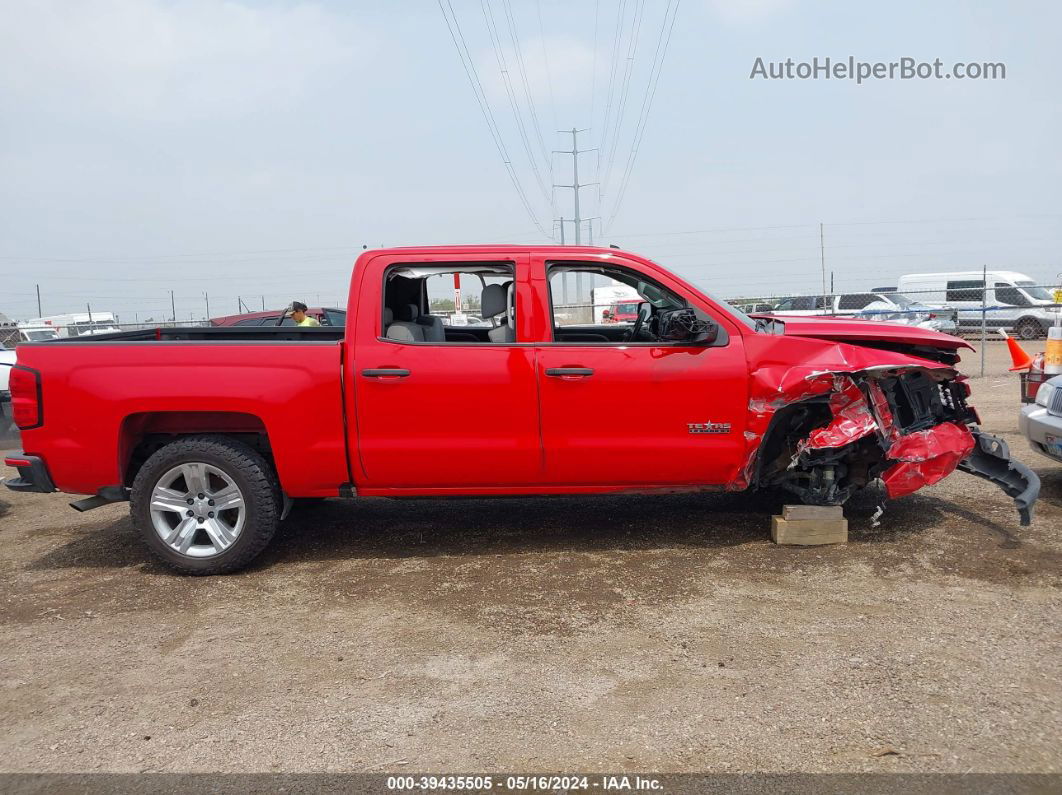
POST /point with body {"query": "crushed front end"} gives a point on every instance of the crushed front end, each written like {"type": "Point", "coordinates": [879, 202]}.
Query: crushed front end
{"type": "Point", "coordinates": [829, 433]}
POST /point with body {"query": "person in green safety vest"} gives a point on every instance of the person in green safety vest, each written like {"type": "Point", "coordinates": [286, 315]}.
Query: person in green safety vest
{"type": "Point", "coordinates": [298, 314]}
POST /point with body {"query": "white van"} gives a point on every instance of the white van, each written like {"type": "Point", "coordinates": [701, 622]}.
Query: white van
{"type": "Point", "coordinates": [35, 333]}
{"type": "Point", "coordinates": [1012, 300]}
{"type": "Point", "coordinates": [77, 324]}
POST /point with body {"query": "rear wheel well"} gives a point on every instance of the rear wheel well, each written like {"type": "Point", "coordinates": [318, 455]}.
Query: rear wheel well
{"type": "Point", "coordinates": [145, 433]}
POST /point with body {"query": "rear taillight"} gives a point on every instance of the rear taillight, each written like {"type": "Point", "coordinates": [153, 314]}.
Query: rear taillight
{"type": "Point", "coordinates": [25, 386]}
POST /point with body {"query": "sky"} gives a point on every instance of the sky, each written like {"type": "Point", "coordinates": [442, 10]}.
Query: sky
{"type": "Point", "coordinates": [251, 149]}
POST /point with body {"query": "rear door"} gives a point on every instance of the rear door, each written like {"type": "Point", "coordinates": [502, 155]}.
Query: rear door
{"type": "Point", "coordinates": [441, 416]}
{"type": "Point", "coordinates": [626, 413]}
{"type": "Point", "coordinates": [968, 296]}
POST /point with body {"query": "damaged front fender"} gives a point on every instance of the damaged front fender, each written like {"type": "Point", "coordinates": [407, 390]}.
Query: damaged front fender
{"type": "Point", "coordinates": [848, 416]}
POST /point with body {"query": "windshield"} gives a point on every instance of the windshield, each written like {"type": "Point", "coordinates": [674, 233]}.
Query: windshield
{"type": "Point", "coordinates": [733, 310]}
{"type": "Point", "coordinates": [1039, 293]}
{"type": "Point", "coordinates": [626, 309]}
{"type": "Point", "coordinates": [901, 301]}
{"type": "Point", "coordinates": [40, 336]}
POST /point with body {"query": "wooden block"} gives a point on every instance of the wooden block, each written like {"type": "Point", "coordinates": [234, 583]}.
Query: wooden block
{"type": "Point", "coordinates": [812, 512]}
{"type": "Point", "coordinates": [809, 532]}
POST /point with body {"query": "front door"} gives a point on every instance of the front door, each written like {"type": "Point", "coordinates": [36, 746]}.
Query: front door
{"type": "Point", "coordinates": [437, 414]}
{"type": "Point", "coordinates": [620, 411]}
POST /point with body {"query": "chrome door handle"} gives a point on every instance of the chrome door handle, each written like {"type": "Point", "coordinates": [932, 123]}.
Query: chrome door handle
{"type": "Point", "coordinates": [561, 372]}
{"type": "Point", "coordinates": [385, 372]}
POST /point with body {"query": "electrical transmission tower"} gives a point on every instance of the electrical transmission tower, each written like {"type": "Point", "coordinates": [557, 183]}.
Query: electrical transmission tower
{"type": "Point", "coordinates": [576, 185]}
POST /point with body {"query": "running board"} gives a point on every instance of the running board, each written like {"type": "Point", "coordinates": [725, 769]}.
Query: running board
{"type": "Point", "coordinates": [991, 460]}
{"type": "Point", "coordinates": [105, 496]}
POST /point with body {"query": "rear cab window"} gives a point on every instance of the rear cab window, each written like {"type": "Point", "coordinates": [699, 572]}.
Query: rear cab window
{"type": "Point", "coordinates": [454, 303]}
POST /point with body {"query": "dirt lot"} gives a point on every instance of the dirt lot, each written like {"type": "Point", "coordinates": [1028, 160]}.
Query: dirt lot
{"type": "Point", "coordinates": [633, 633]}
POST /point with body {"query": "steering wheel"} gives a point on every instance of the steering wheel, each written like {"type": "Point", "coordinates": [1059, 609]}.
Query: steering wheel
{"type": "Point", "coordinates": [645, 311]}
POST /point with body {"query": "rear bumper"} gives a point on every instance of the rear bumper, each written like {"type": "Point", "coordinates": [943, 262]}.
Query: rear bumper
{"type": "Point", "coordinates": [32, 474]}
{"type": "Point", "coordinates": [1036, 424]}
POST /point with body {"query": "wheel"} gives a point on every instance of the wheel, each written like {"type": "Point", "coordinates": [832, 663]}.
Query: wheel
{"type": "Point", "coordinates": [206, 504]}
{"type": "Point", "coordinates": [1028, 329]}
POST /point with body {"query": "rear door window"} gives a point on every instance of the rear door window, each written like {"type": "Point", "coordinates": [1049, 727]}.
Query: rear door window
{"type": "Point", "coordinates": [966, 290]}
{"type": "Point", "coordinates": [856, 300]}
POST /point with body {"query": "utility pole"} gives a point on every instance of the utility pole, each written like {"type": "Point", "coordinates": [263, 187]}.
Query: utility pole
{"type": "Point", "coordinates": [206, 297]}
{"type": "Point", "coordinates": [173, 308]}
{"type": "Point", "coordinates": [564, 276]}
{"type": "Point", "coordinates": [39, 312]}
{"type": "Point", "coordinates": [822, 258]}
{"type": "Point", "coordinates": [263, 303]}
{"type": "Point", "coordinates": [576, 186]}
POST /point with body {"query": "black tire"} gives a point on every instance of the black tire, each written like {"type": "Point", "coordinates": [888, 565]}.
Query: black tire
{"type": "Point", "coordinates": [1028, 329]}
{"type": "Point", "coordinates": [245, 467]}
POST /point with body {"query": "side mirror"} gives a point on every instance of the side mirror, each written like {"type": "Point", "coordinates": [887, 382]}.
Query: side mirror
{"type": "Point", "coordinates": [685, 325]}
{"type": "Point", "coordinates": [710, 333]}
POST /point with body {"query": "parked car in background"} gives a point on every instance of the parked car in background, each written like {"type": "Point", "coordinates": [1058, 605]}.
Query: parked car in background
{"type": "Point", "coordinates": [626, 312]}
{"type": "Point", "coordinates": [1013, 301]}
{"type": "Point", "coordinates": [1041, 422]}
{"type": "Point", "coordinates": [761, 308]}
{"type": "Point", "coordinates": [75, 324]}
{"type": "Point", "coordinates": [326, 316]}
{"type": "Point", "coordinates": [897, 308]}
{"type": "Point", "coordinates": [888, 307]}
{"type": "Point", "coordinates": [35, 333]}
{"type": "Point", "coordinates": [8, 431]}
{"type": "Point", "coordinates": [7, 358]}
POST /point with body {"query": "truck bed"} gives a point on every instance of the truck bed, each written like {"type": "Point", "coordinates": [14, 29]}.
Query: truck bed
{"type": "Point", "coordinates": [103, 395]}
{"type": "Point", "coordinates": [212, 334]}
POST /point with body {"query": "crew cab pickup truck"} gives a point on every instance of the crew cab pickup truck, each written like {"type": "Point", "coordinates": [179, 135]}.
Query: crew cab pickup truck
{"type": "Point", "coordinates": [213, 433]}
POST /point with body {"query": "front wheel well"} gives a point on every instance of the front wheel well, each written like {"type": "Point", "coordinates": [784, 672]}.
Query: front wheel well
{"type": "Point", "coordinates": [1034, 325]}
{"type": "Point", "coordinates": [144, 433]}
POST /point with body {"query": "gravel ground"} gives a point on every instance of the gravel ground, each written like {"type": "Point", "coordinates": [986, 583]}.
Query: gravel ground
{"type": "Point", "coordinates": [620, 633]}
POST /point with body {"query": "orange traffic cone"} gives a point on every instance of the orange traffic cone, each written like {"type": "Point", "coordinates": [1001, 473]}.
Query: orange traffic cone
{"type": "Point", "coordinates": [1021, 360]}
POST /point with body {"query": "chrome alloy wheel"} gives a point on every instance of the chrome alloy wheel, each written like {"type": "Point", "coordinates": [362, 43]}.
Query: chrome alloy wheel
{"type": "Point", "coordinates": [197, 510]}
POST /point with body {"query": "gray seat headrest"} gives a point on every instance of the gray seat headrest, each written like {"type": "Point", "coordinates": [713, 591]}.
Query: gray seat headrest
{"type": "Point", "coordinates": [409, 313]}
{"type": "Point", "coordinates": [493, 302]}
{"type": "Point", "coordinates": [388, 317]}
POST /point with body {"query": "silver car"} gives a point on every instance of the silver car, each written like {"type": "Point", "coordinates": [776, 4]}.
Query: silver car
{"type": "Point", "coordinates": [1041, 422]}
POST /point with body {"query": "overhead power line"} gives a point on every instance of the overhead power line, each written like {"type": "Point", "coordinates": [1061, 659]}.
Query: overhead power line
{"type": "Point", "coordinates": [593, 68]}
{"type": "Point", "coordinates": [621, 108]}
{"type": "Point", "coordinates": [528, 94]}
{"type": "Point", "coordinates": [545, 59]}
{"type": "Point", "coordinates": [617, 37]}
{"type": "Point", "coordinates": [510, 92]}
{"type": "Point", "coordinates": [484, 106]}
{"type": "Point", "coordinates": [647, 103]}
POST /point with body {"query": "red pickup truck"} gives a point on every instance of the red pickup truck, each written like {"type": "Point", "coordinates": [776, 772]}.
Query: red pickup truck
{"type": "Point", "coordinates": [211, 433]}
